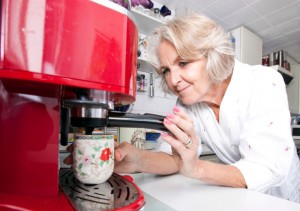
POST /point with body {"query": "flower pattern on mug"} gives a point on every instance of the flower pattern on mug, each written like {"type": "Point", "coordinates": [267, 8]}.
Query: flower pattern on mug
{"type": "Point", "coordinates": [105, 154]}
{"type": "Point", "coordinates": [87, 160]}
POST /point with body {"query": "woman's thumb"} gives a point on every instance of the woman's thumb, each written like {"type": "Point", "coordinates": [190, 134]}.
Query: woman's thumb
{"type": "Point", "coordinates": [118, 154]}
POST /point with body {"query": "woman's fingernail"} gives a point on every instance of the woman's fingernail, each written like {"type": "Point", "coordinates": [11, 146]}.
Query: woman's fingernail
{"type": "Point", "coordinates": [176, 109]}
{"type": "Point", "coordinates": [167, 121]}
{"type": "Point", "coordinates": [170, 116]}
{"type": "Point", "coordinates": [164, 134]}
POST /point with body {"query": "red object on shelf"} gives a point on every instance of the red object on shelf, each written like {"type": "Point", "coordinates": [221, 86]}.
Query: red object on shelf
{"type": "Point", "coordinates": [48, 48]}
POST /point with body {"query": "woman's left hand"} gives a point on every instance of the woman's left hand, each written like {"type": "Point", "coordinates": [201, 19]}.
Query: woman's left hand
{"type": "Point", "coordinates": [184, 142]}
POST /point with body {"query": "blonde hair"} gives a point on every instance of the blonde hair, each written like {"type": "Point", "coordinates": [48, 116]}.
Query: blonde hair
{"type": "Point", "coordinates": [193, 37]}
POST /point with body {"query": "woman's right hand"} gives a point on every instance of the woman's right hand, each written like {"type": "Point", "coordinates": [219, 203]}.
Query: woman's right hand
{"type": "Point", "coordinates": [127, 158]}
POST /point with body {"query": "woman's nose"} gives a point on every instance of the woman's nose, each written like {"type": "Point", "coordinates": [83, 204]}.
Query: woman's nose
{"type": "Point", "coordinates": [175, 76]}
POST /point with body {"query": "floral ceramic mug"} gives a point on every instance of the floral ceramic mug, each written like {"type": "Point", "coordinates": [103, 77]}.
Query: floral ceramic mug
{"type": "Point", "coordinates": [93, 158]}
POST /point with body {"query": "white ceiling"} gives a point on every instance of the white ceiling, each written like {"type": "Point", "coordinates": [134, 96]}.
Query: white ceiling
{"type": "Point", "coordinates": [277, 22]}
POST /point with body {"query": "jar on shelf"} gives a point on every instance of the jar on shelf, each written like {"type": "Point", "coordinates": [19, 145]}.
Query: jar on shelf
{"type": "Point", "coordinates": [265, 61]}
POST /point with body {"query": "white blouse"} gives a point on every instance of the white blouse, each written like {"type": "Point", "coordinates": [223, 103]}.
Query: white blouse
{"type": "Point", "coordinates": [253, 132]}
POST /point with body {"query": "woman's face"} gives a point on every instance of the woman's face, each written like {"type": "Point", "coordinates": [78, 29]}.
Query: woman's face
{"type": "Point", "coordinates": [188, 80]}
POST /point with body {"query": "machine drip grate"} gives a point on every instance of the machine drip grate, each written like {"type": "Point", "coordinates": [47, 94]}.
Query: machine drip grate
{"type": "Point", "coordinates": [117, 192]}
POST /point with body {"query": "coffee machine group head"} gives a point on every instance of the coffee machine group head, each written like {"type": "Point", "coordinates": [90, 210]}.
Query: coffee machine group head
{"type": "Point", "coordinates": [91, 109]}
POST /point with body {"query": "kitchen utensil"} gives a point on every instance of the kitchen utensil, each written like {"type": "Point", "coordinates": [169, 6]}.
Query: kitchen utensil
{"type": "Point", "coordinates": [151, 85]}
{"type": "Point", "coordinates": [294, 121]}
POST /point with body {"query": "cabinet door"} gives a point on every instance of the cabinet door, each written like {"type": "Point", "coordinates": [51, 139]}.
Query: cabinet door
{"type": "Point", "coordinates": [248, 46]}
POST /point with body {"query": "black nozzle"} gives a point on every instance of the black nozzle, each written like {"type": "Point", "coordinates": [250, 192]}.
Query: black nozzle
{"type": "Point", "coordinates": [64, 126]}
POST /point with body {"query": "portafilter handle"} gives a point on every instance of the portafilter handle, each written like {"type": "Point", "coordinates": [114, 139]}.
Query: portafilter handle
{"type": "Point", "coordinates": [114, 119]}
{"type": "Point", "coordinates": [147, 120]}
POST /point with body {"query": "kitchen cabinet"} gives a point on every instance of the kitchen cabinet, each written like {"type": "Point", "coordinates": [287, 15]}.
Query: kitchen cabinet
{"type": "Point", "coordinates": [293, 90]}
{"type": "Point", "coordinates": [248, 46]}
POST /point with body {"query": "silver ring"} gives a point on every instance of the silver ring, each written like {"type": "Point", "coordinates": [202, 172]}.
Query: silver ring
{"type": "Point", "coordinates": [189, 143]}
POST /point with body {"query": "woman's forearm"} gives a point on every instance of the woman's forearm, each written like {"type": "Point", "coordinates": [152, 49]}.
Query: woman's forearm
{"type": "Point", "coordinates": [214, 173]}
{"type": "Point", "coordinates": [157, 163]}
{"type": "Point", "coordinates": [220, 174]}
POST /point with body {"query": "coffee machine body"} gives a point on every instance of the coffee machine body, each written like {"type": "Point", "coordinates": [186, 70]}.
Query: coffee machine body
{"type": "Point", "coordinates": [49, 48]}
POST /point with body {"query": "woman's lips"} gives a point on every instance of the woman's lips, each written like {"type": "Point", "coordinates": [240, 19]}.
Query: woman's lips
{"type": "Point", "coordinates": [182, 90]}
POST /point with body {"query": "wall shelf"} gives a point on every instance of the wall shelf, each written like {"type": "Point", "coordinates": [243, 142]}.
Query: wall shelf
{"type": "Point", "coordinates": [159, 103]}
{"type": "Point", "coordinates": [145, 22]}
{"type": "Point", "coordinates": [287, 75]}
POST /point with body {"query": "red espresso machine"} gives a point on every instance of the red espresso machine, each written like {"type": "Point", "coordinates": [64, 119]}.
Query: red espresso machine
{"type": "Point", "coordinates": [63, 62]}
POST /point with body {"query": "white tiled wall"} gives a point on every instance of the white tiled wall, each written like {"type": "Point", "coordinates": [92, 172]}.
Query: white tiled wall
{"type": "Point", "coordinates": [161, 103]}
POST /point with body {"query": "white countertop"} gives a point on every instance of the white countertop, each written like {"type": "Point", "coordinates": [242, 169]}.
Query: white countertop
{"type": "Point", "coordinates": [182, 193]}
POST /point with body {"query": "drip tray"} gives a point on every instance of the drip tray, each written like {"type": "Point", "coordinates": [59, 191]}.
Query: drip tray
{"type": "Point", "coordinates": [116, 193]}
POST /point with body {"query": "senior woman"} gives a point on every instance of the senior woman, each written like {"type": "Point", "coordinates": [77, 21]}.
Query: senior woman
{"type": "Point", "coordinates": [239, 111]}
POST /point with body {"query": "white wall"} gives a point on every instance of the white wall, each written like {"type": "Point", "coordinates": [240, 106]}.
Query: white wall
{"type": "Point", "coordinates": [293, 90]}
{"type": "Point", "coordinates": [291, 60]}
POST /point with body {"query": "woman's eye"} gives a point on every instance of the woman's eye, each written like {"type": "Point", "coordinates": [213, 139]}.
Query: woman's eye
{"type": "Point", "coordinates": [165, 72]}
{"type": "Point", "coordinates": [182, 64]}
